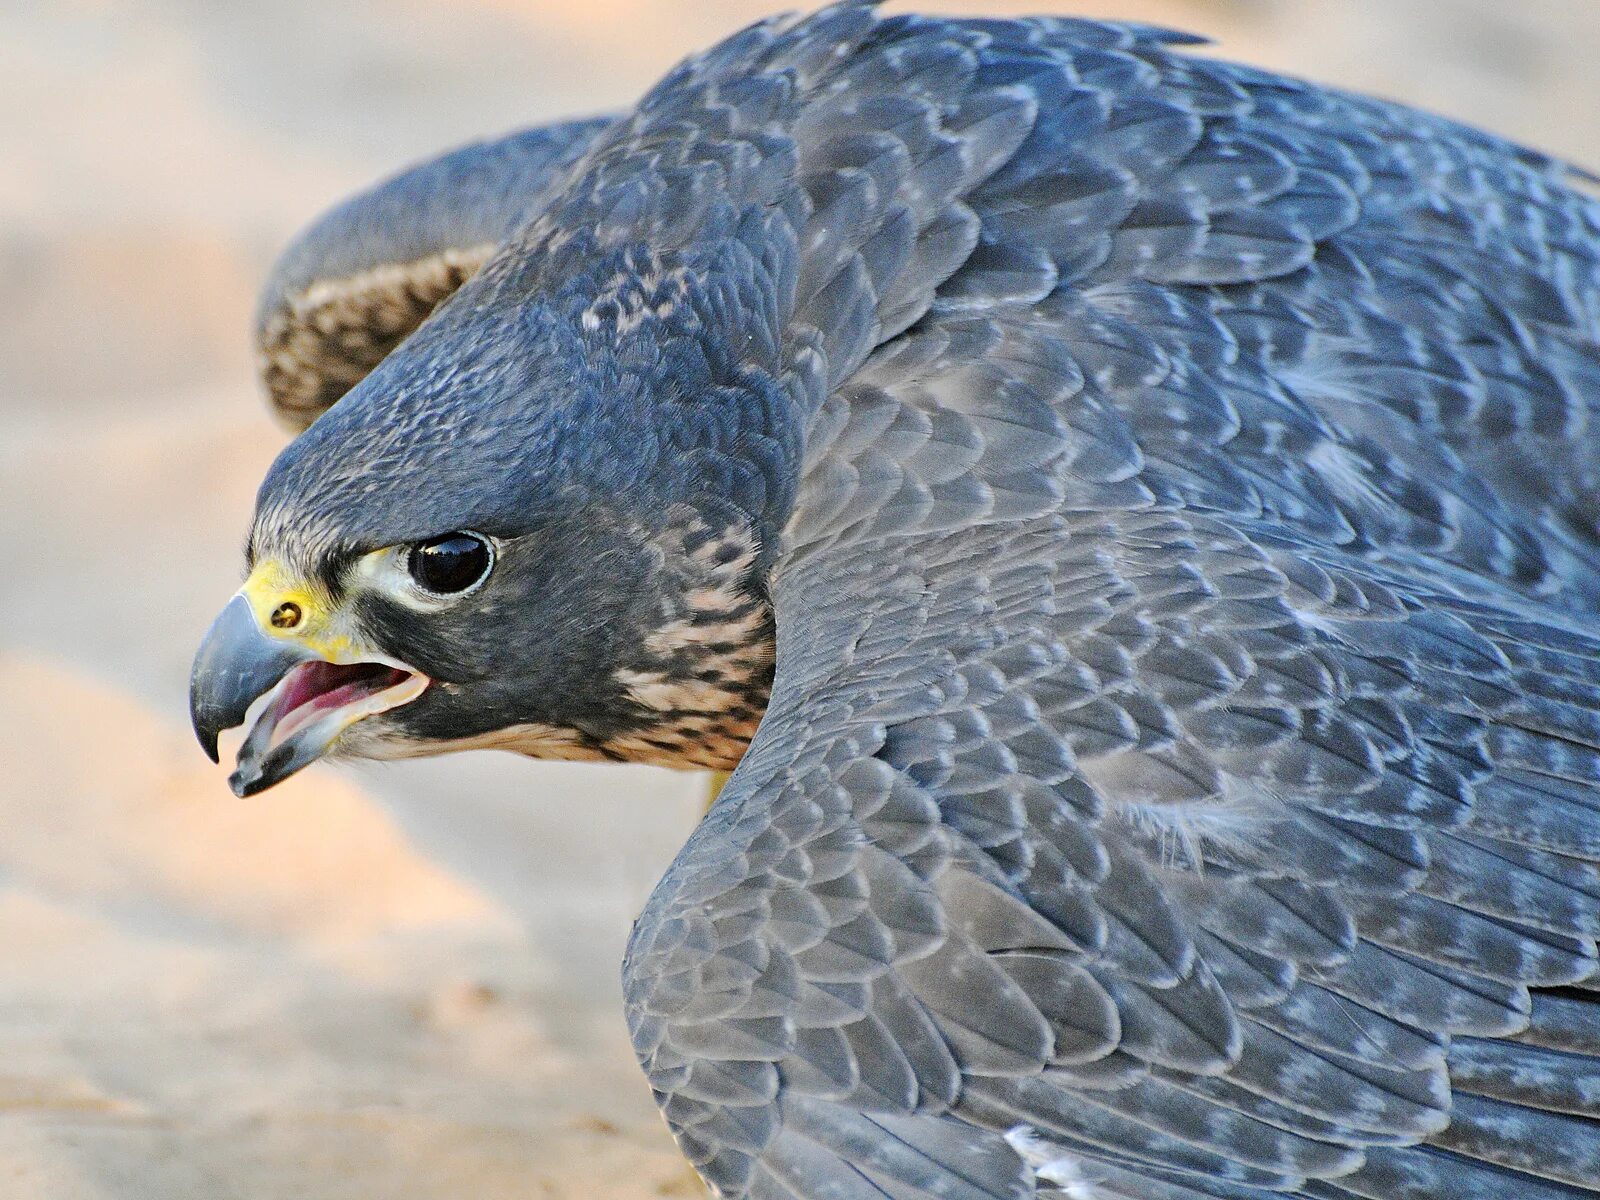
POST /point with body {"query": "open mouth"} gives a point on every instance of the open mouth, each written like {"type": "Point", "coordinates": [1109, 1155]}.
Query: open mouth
{"type": "Point", "coordinates": [309, 708]}
{"type": "Point", "coordinates": [294, 702]}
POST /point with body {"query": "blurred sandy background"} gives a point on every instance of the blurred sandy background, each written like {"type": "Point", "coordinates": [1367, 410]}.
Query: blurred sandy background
{"type": "Point", "coordinates": [395, 982]}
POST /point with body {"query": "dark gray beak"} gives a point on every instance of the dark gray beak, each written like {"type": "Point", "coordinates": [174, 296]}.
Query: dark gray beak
{"type": "Point", "coordinates": [236, 663]}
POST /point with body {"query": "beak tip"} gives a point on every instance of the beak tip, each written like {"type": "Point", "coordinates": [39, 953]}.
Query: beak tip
{"type": "Point", "coordinates": [236, 664]}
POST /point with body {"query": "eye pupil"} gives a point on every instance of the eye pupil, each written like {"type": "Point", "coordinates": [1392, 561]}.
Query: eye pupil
{"type": "Point", "coordinates": [451, 563]}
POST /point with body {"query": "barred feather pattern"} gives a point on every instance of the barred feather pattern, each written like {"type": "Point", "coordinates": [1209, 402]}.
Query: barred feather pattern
{"type": "Point", "coordinates": [360, 280]}
{"type": "Point", "coordinates": [1181, 772]}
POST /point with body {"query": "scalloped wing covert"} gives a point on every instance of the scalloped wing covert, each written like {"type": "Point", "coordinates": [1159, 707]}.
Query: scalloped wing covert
{"type": "Point", "coordinates": [1181, 773]}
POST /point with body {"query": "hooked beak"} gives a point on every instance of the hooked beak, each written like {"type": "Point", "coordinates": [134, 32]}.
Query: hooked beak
{"type": "Point", "coordinates": [309, 701]}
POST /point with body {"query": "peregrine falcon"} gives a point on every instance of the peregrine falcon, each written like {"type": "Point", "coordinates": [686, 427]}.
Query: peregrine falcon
{"type": "Point", "coordinates": [1131, 520]}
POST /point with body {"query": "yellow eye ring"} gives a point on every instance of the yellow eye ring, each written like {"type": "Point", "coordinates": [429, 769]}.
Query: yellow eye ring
{"type": "Point", "coordinates": [286, 616]}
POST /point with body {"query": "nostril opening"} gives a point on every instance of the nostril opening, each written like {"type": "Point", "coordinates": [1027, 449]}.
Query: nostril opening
{"type": "Point", "coordinates": [286, 616]}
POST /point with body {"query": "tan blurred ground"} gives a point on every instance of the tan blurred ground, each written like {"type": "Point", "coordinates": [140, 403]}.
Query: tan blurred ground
{"type": "Point", "coordinates": [396, 982]}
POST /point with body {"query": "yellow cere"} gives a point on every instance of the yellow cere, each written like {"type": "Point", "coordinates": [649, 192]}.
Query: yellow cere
{"type": "Point", "coordinates": [286, 606]}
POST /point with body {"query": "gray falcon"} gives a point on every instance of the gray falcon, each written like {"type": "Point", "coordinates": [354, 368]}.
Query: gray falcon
{"type": "Point", "coordinates": [1134, 522]}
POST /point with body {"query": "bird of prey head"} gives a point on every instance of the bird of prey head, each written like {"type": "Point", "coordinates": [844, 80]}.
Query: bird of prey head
{"type": "Point", "coordinates": [499, 539]}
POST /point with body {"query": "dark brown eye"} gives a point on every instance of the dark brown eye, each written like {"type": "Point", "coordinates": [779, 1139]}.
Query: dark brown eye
{"type": "Point", "coordinates": [451, 563]}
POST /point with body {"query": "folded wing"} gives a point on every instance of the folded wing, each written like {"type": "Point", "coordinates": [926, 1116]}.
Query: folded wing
{"type": "Point", "coordinates": [1180, 778]}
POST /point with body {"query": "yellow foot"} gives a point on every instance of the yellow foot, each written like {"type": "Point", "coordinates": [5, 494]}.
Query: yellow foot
{"type": "Point", "coordinates": [718, 781]}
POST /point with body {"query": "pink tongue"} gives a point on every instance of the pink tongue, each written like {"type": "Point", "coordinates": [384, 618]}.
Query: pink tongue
{"type": "Point", "coordinates": [325, 685]}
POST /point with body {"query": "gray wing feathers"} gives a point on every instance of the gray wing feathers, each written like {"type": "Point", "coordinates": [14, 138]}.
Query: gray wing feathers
{"type": "Point", "coordinates": [1180, 772]}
